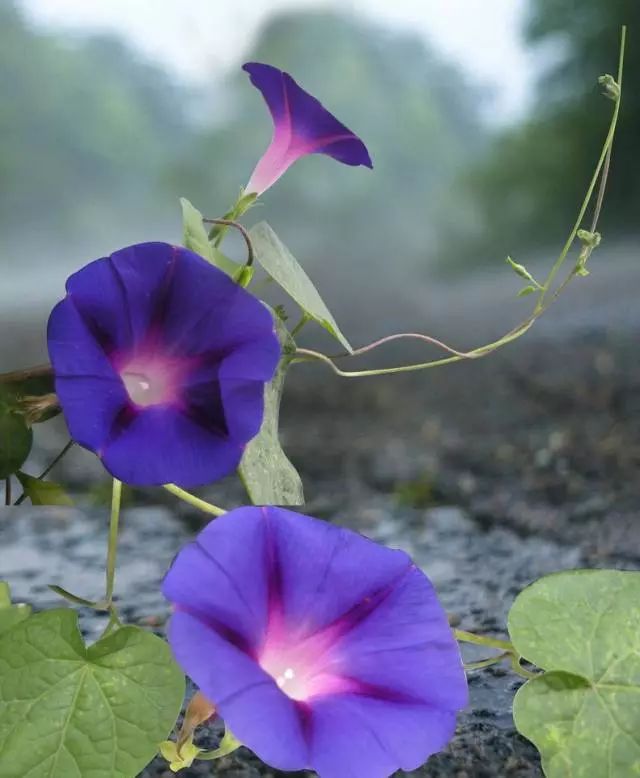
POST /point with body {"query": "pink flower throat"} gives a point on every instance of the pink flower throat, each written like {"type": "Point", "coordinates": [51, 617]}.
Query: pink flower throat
{"type": "Point", "coordinates": [153, 379]}
{"type": "Point", "coordinates": [304, 668]}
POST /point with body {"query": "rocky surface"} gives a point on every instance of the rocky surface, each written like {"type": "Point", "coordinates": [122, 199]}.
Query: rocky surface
{"type": "Point", "coordinates": [489, 473]}
{"type": "Point", "coordinates": [477, 572]}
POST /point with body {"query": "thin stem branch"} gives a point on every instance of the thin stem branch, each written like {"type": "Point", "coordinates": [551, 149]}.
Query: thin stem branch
{"type": "Point", "coordinates": [112, 549]}
{"type": "Point", "coordinates": [113, 623]}
{"type": "Point", "coordinates": [401, 336]}
{"type": "Point", "coordinates": [601, 190]}
{"type": "Point", "coordinates": [542, 304]}
{"type": "Point", "coordinates": [7, 490]}
{"type": "Point", "coordinates": [303, 321]}
{"type": "Point", "coordinates": [242, 230]}
{"type": "Point", "coordinates": [482, 640]}
{"type": "Point", "coordinates": [518, 669]}
{"type": "Point", "coordinates": [67, 595]}
{"type": "Point", "coordinates": [492, 660]}
{"type": "Point", "coordinates": [606, 150]}
{"type": "Point", "coordinates": [197, 502]}
{"type": "Point", "coordinates": [48, 469]}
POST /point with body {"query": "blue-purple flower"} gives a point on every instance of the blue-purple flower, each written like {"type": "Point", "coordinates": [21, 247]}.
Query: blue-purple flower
{"type": "Point", "coordinates": [302, 125]}
{"type": "Point", "coordinates": [319, 648]}
{"type": "Point", "coordinates": [160, 362]}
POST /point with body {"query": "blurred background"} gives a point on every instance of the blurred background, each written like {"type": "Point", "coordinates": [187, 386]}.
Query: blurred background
{"type": "Point", "coordinates": [484, 121]}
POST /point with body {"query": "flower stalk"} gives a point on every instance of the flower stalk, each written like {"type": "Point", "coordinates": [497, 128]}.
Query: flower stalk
{"type": "Point", "coordinates": [191, 499]}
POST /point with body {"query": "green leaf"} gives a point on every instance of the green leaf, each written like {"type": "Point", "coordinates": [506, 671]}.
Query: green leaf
{"type": "Point", "coordinates": [522, 271]}
{"type": "Point", "coordinates": [583, 714]}
{"type": "Point", "coordinates": [196, 238]}
{"type": "Point", "coordinates": [43, 492]}
{"type": "Point", "coordinates": [266, 471]}
{"type": "Point", "coordinates": [527, 291]}
{"type": "Point", "coordinates": [283, 267]}
{"type": "Point", "coordinates": [16, 439]}
{"type": "Point", "coordinates": [68, 711]}
{"type": "Point", "coordinates": [10, 614]}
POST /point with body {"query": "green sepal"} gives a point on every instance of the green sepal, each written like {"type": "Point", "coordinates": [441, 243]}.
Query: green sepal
{"type": "Point", "coordinates": [179, 760]}
{"type": "Point", "coordinates": [32, 397]}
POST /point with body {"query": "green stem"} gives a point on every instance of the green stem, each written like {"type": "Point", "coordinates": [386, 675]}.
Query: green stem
{"type": "Point", "coordinates": [242, 230]}
{"type": "Point", "coordinates": [542, 303]}
{"type": "Point", "coordinates": [113, 623]}
{"type": "Point", "coordinates": [203, 505]}
{"type": "Point", "coordinates": [594, 180]}
{"type": "Point", "coordinates": [241, 206]}
{"type": "Point", "coordinates": [492, 660]}
{"type": "Point", "coordinates": [482, 640]}
{"type": "Point", "coordinates": [519, 669]}
{"type": "Point", "coordinates": [112, 550]}
{"type": "Point", "coordinates": [303, 320]}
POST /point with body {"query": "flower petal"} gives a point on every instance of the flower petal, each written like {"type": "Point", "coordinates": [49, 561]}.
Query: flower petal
{"type": "Point", "coordinates": [302, 125]}
{"type": "Point", "coordinates": [405, 645]}
{"type": "Point", "coordinates": [338, 570]}
{"type": "Point", "coordinates": [365, 738]}
{"type": "Point", "coordinates": [320, 648]}
{"type": "Point", "coordinates": [214, 582]}
{"type": "Point", "coordinates": [83, 373]}
{"type": "Point", "coordinates": [161, 360]}
{"type": "Point", "coordinates": [160, 445]}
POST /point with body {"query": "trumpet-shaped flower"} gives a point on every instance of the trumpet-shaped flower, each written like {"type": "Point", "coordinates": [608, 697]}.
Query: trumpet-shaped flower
{"type": "Point", "coordinates": [160, 362]}
{"type": "Point", "coordinates": [301, 125]}
{"type": "Point", "coordinates": [321, 649]}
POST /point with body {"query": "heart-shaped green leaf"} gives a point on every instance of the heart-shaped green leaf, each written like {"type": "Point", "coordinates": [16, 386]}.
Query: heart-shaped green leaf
{"type": "Point", "coordinates": [266, 471]}
{"type": "Point", "coordinates": [283, 267]}
{"type": "Point", "coordinates": [10, 614]}
{"type": "Point", "coordinates": [43, 492]}
{"type": "Point", "coordinates": [68, 711]}
{"type": "Point", "coordinates": [196, 238]}
{"type": "Point", "coordinates": [583, 714]}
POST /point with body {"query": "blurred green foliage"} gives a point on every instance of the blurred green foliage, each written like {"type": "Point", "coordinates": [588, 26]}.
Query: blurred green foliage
{"type": "Point", "coordinates": [526, 191]}
{"type": "Point", "coordinates": [91, 135]}
{"type": "Point", "coordinates": [85, 128]}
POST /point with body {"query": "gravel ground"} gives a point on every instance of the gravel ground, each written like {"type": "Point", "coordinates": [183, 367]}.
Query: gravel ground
{"type": "Point", "coordinates": [489, 473]}
{"type": "Point", "coordinates": [477, 573]}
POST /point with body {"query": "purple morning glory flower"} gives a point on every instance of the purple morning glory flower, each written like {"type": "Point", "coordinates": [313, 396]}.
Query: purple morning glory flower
{"type": "Point", "coordinates": [321, 649]}
{"type": "Point", "coordinates": [302, 125]}
{"type": "Point", "coordinates": [160, 362]}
